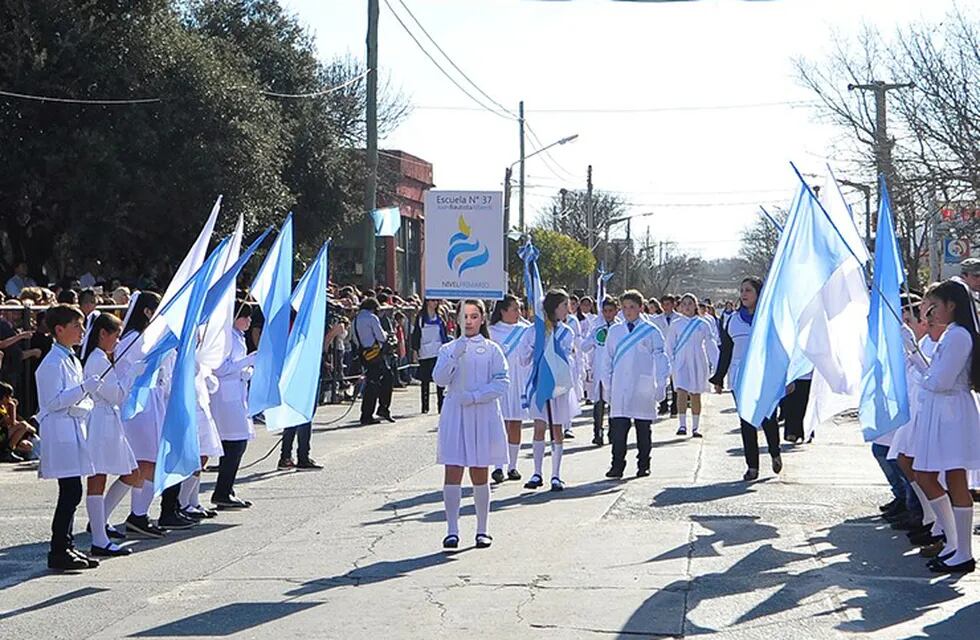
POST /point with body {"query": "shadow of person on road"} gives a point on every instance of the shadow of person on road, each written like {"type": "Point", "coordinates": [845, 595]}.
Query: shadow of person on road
{"type": "Point", "coordinates": [381, 571]}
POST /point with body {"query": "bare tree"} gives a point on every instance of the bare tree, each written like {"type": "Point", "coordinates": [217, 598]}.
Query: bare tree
{"type": "Point", "coordinates": [759, 241]}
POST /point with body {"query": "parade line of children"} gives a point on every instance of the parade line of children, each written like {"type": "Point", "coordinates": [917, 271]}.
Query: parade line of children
{"type": "Point", "coordinates": [82, 386]}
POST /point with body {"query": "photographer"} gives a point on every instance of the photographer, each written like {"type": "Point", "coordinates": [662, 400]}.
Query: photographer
{"type": "Point", "coordinates": [373, 346]}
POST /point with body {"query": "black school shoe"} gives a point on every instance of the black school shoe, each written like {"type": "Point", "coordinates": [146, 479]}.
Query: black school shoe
{"type": "Point", "coordinates": [175, 521]}
{"type": "Point", "coordinates": [964, 567]}
{"type": "Point", "coordinates": [91, 563]}
{"type": "Point", "coordinates": [497, 476]}
{"type": "Point", "coordinates": [309, 465]}
{"type": "Point", "coordinates": [513, 474]}
{"type": "Point", "coordinates": [888, 506]}
{"type": "Point", "coordinates": [110, 531]}
{"type": "Point", "coordinates": [64, 561]}
{"type": "Point", "coordinates": [615, 473]}
{"type": "Point", "coordinates": [143, 526]}
{"type": "Point", "coordinates": [230, 503]}
{"type": "Point", "coordinates": [111, 551]}
{"type": "Point", "coordinates": [642, 473]}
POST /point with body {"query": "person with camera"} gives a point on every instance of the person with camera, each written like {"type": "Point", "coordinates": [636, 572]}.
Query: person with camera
{"type": "Point", "coordinates": [373, 345]}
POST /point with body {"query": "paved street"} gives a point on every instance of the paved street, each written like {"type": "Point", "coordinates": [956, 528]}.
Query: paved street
{"type": "Point", "coordinates": [354, 551]}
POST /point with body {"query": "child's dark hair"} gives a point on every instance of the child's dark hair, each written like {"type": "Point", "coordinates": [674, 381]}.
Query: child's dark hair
{"type": "Point", "coordinates": [483, 314]}
{"type": "Point", "coordinates": [103, 322]}
{"type": "Point", "coordinates": [63, 314]}
{"type": "Point", "coordinates": [632, 295]}
{"type": "Point", "coordinates": [755, 283]}
{"type": "Point", "coordinates": [146, 301]}
{"type": "Point", "coordinates": [965, 315]}
{"type": "Point", "coordinates": [553, 300]}
{"type": "Point", "coordinates": [578, 312]}
{"type": "Point", "coordinates": [245, 309]}
{"type": "Point", "coordinates": [87, 296]}
{"type": "Point", "coordinates": [610, 301]}
{"type": "Point", "coordinates": [502, 305]}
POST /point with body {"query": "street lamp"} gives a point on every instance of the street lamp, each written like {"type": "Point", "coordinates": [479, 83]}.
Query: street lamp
{"type": "Point", "coordinates": [508, 172]}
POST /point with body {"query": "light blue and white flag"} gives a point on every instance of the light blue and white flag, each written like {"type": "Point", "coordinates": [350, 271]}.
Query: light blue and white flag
{"type": "Point", "coordinates": [301, 371]}
{"type": "Point", "coordinates": [179, 454]}
{"type": "Point", "coordinates": [387, 222]}
{"type": "Point", "coordinates": [550, 371]}
{"type": "Point", "coordinates": [271, 289]}
{"type": "Point", "coordinates": [600, 288]}
{"type": "Point", "coordinates": [816, 277]}
{"type": "Point", "coordinates": [885, 393]}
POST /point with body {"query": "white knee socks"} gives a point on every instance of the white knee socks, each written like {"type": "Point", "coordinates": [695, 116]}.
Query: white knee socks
{"type": "Point", "coordinates": [537, 449]}
{"type": "Point", "coordinates": [682, 416]}
{"type": "Point", "coordinates": [95, 506]}
{"type": "Point", "coordinates": [943, 509]}
{"type": "Point", "coordinates": [451, 496]}
{"type": "Point", "coordinates": [142, 498]}
{"type": "Point", "coordinates": [190, 491]}
{"type": "Point", "coordinates": [513, 451]}
{"type": "Point", "coordinates": [928, 515]}
{"type": "Point", "coordinates": [113, 496]}
{"type": "Point", "coordinates": [481, 499]}
{"type": "Point", "coordinates": [556, 451]}
{"type": "Point", "coordinates": [695, 421]}
{"type": "Point", "coordinates": [963, 521]}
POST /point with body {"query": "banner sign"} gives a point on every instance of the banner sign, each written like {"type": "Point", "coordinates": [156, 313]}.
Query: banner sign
{"type": "Point", "coordinates": [464, 245]}
{"type": "Point", "coordinates": [956, 250]}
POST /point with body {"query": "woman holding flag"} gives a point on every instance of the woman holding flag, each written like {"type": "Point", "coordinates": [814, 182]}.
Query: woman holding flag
{"type": "Point", "coordinates": [548, 349]}
{"type": "Point", "coordinates": [471, 429]}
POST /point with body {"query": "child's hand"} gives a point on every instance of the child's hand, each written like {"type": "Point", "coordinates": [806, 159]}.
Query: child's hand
{"type": "Point", "coordinates": [92, 384]}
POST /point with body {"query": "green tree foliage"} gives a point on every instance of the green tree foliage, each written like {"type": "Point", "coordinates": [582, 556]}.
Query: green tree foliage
{"type": "Point", "coordinates": [131, 184]}
{"type": "Point", "coordinates": [564, 262]}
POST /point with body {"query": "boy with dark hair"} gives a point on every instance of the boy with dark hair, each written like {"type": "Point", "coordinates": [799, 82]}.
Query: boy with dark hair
{"type": "Point", "coordinates": [64, 398]}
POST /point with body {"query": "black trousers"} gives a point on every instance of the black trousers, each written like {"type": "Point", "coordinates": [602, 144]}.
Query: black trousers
{"type": "Point", "coordinates": [425, 377]}
{"type": "Point", "coordinates": [69, 497]}
{"type": "Point", "coordinates": [750, 440]}
{"type": "Point", "coordinates": [618, 431]}
{"type": "Point", "coordinates": [598, 414]}
{"type": "Point", "coordinates": [794, 408]}
{"type": "Point", "coordinates": [379, 382]}
{"type": "Point", "coordinates": [301, 434]}
{"type": "Point", "coordinates": [170, 499]}
{"type": "Point", "coordinates": [224, 486]}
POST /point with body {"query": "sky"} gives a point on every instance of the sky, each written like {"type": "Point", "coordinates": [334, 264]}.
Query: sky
{"type": "Point", "coordinates": [689, 110]}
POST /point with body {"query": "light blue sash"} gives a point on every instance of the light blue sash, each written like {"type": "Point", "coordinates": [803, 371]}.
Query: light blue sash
{"type": "Point", "coordinates": [640, 332]}
{"type": "Point", "coordinates": [689, 330]}
{"type": "Point", "coordinates": [513, 339]}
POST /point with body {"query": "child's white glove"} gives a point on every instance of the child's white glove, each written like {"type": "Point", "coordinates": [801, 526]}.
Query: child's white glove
{"type": "Point", "coordinates": [92, 384]}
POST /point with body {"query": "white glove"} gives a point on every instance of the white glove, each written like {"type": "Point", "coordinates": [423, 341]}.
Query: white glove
{"type": "Point", "coordinates": [212, 384]}
{"type": "Point", "coordinates": [92, 384]}
{"type": "Point", "coordinates": [247, 374]}
{"type": "Point", "coordinates": [460, 348]}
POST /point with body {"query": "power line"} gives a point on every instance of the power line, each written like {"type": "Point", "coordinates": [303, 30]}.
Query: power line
{"type": "Point", "coordinates": [547, 156]}
{"type": "Point", "coordinates": [627, 110]}
{"type": "Point", "coordinates": [450, 60]}
{"type": "Point", "coordinates": [27, 96]}
{"type": "Point", "coordinates": [440, 67]}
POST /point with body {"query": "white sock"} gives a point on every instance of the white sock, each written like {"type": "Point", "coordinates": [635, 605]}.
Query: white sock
{"type": "Point", "coordinates": [963, 519]}
{"type": "Point", "coordinates": [695, 421]}
{"type": "Point", "coordinates": [196, 496]}
{"type": "Point", "coordinates": [113, 496]}
{"type": "Point", "coordinates": [481, 499]}
{"type": "Point", "coordinates": [928, 515]}
{"type": "Point", "coordinates": [142, 498]}
{"type": "Point", "coordinates": [513, 452]}
{"type": "Point", "coordinates": [451, 496]}
{"type": "Point", "coordinates": [186, 489]}
{"type": "Point", "coordinates": [682, 416]}
{"type": "Point", "coordinates": [556, 451]}
{"type": "Point", "coordinates": [537, 448]}
{"type": "Point", "coordinates": [937, 529]}
{"type": "Point", "coordinates": [95, 505]}
{"type": "Point", "coordinates": [943, 509]}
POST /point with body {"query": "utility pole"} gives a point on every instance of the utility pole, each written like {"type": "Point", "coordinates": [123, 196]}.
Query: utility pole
{"type": "Point", "coordinates": [371, 184]}
{"type": "Point", "coordinates": [629, 250]}
{"type": "Point", "coordinates": [507, 177]}
{"type": "Point", "coordinates": [589, 214]}
{"type": "Point", "coordinates": [520, 122]}
{"type": "Point", "coordinates": [883, 146]}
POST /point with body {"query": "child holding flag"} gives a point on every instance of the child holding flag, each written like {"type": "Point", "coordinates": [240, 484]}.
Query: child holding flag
{"type": "Point", "coordinates": [471, 429]}
{"type": "Point", "coordinates": [693, 353]}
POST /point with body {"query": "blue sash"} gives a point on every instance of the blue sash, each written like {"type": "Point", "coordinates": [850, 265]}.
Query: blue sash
{"type": "Point", "coordinates": [513, 339]}
{"type": "Point", "coordinates": [631, 340]}
{"type": "Point", "coordinates": [689, 330]}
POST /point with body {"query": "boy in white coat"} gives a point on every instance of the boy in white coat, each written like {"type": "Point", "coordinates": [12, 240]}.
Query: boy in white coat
{"type": "Point", "coordinates": [595, 348]}
{"type": "Point", "coordinates": [64, 399]}
{"type": "Point", "coordinates": [635, 373]}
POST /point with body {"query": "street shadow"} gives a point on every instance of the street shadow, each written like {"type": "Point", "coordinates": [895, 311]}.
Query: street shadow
{"type": "Point", "coordinates": [257, 476]}
{"type": "Point", "coordinates": [673, 496]}
{"type": "Point", "coordinates": [226, 620]}
{"type": "Point", "coordinates": [526, 497]}
{"type": "Point", "coordinates": [377, 572]}
{"type": "Point", "coordinates": [53, 602]}
{"type": "Point", "coordinates": [730, 531]}
{"type": "Point", "coordinates": [962, 624]}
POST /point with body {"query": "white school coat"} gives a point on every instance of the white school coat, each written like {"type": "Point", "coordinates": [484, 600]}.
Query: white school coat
{"type": "Point", "coordinates": [661, 321]}
{"type": "Point", "coordinates": [229, 403]}
{"type": "Point", "coordinates": [595, 349]}
{"type": "Point", "coordinates": [108, 448]}
{"type": "Point", "coordinates": [471, 427]}
{"type": "Point", "coordinates": [511, 402]}
{"type": "Point", "coordinates": [64, 409]}
{"type": "Point", "coordinates": [693, 362]}
{"type": "Point", "coordinates": [637, 378]}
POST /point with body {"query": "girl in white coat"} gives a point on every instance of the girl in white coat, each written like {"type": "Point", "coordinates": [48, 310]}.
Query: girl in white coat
{"type": "Point", "coordinates": [471, 429]}
{"type": "Point", "coordinates": [107, 444]}
{"type": "Point", "coordinates": [507, 329]}
{"type": "Point", "coordinates": [694, 354]}
{"type": "Point", "coordinates": [555, 352]}
{"type": "Point", "coordinates": [229, 408]}
{"type": "Point", "coordinates": [946, 436]}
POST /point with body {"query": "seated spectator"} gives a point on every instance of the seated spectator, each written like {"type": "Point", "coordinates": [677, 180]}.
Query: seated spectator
{"type": "Point", "coordinates": [19, 280]}
{"type": "Point", "coordinates": [17, 436]}
{"type": "Point", "coordinates": [68, 296]}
